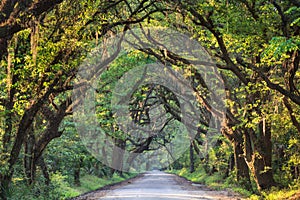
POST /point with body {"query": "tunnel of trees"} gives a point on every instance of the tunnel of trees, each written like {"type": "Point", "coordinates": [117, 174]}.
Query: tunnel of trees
{"type": "Point", "coordinates": [255, 45]}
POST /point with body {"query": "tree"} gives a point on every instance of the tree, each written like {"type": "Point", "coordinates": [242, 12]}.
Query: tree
{"type": "Point", "coordinates": [246, 53]}
{"type": "Point", "coordinates": [42, 44]}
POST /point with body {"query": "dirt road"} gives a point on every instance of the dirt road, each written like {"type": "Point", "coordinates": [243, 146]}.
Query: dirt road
{"type": "Point", "coordinates": [158, 185]}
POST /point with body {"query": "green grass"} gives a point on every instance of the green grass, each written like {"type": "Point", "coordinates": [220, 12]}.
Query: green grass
{"type": "Point", "coordinates": [279, 194]}
{"type": "Point", "coordinates": [216, 181]}
{"type": "Point", "coordinates": [90, 183]}
{"type": "Point", "coordinates": [60, 188]}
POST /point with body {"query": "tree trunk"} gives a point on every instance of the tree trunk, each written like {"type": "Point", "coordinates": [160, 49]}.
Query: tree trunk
{"type": "Point", "coordinates": [192, 161]}
{"type": "Point", "coordinates": [44, 169]}
{"type": "Point", "coordinates": [206, 164]}
{"type": "Point", "coordinates": [29, 164]}
{"type": "Point", "coordinates": [230, 166]}
{"type": "Point", "coordinates": [77, 169]}
{"type": "Point", "coordinates": [259, 159]}
{"type": "Point", "coordinates": [236, 138]}
{"type": "Point", "coordinates": [117, 157]}
{"type": "Point", "coordinates": [242, 170]}
{"type": "Point", "coordinates": [8, 121]}
{"type": "Point", "coordinates": [11, 80]}
{"type": "Point", "coordinates": [263, 174]}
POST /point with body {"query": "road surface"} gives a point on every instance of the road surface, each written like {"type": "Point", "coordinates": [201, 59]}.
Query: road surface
{"type": "Point", "coordinates": [157, 185]}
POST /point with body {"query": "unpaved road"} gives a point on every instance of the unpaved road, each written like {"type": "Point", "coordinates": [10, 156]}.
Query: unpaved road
{"type": "Point", "coordinates": [158, 185]}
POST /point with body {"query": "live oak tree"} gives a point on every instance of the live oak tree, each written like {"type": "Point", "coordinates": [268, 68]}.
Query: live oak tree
{"type": "Point", "coordinates": [255, 45]}
{"type": "Point", "coordinates": [258, 42]}
{"type": "Point", "coordinates": [38, 68]}
{"type": "Point", "coordinates": [42, 44]}
{"type": "Point", "coordinates": [264, 62]}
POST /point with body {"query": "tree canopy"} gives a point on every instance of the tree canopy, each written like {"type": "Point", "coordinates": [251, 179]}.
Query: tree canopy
{"type": "Point", "coordinates": [253, 44]}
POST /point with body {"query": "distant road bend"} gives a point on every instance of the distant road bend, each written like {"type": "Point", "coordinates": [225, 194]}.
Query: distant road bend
{"type": "Point", "coordinates": [157, 185]}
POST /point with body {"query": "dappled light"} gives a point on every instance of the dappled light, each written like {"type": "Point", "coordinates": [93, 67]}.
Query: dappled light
{"type": "Point", "coordinates": [121, 99]}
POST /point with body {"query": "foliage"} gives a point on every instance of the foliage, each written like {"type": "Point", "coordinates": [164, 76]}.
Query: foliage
{"type": "Point", "coordinates": [215, 181]}
{"type": "Point", "coordinates": [256, 47]}
{"type": "Point", "coordinates": [60, 188]}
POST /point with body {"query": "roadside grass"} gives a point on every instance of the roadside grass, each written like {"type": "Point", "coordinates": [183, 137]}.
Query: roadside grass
{"type": "Point", "coordinates": [216, 181]}
{"type": "Point", "coordinates": [60, 188]}
{"type": "Point", "coordinates": [292, 193]}
{"type": "Point", "coordinates": [90, 182]}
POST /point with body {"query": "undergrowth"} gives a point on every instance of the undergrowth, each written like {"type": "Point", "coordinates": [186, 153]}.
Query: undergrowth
{"type": "Point", "coordinates": [217, 181]}
{"type": "Point", "coordinates": [60, 188]}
